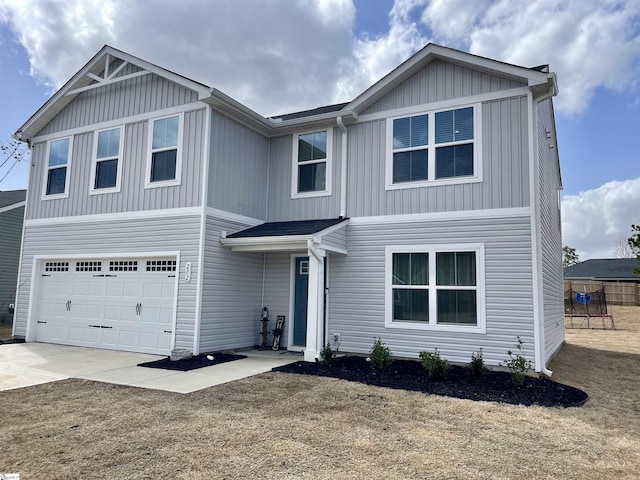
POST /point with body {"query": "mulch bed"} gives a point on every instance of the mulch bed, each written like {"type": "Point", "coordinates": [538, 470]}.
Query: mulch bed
{"type": "Point", "coordinates": [409, 375]}
{"type": "Point", "coordinates": [192, 363]}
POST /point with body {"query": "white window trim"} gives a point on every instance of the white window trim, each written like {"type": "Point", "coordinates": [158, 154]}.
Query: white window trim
{"type": "Point", "coordinates": [166, 183]}
{"type": "Point", "coordinates": [95, 160]}
{"type": "Point", "coordinates": [478, 248]}
{"type": "Point", "coordinates": [328, 170]}
{"type": "Point", "coordinates": [431, 173]}
{"type": "Point", "coordinates": [45, 176]}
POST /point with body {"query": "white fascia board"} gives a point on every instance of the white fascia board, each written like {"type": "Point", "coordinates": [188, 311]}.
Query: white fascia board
{"type": "Point", "coordinates": [443, 216]}
{"type": "Point", "coordinates": [12, 206]}
{"type": "Point", "coordinates": [284, 240]}
{"type": "Point", "coordinates": [107, 255]}
{"type": "Point", "coordinates": [113, 217]}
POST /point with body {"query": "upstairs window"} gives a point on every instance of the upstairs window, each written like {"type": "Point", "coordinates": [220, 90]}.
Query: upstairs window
{"type": "Point", "coordinates": [433, 148]}
{"type": "Point", "coordinates": [106, 169]}
{"type": "Point", "coordinates": [164, 164]}
{"type": "Point", "coordinates": [410, 148]}
{"type": "Point", "coordinates": [312, 164]}
{"type": "Point", "coordinates": [57, 179]}
{"type": "Point", "coordinates": [454, 143]}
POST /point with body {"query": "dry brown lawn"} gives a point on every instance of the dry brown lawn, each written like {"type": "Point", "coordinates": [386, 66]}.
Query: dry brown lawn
{"type": "Point", "coordinates": [5, 331]}
{"type": "Point", "coordinates": [281, 426]}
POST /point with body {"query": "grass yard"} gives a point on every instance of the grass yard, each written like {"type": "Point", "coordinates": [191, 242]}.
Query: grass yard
{"type": "Point", "coordinates": [5, 331]}
{"type": "Point", "coordinates": [283, 426]}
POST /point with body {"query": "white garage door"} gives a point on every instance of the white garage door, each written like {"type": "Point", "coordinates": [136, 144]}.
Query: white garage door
{"type": "Point", "coordinates": [119, 304]}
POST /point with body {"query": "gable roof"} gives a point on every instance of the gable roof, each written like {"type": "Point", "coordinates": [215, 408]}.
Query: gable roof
{"type": "Point", "coordinates": [604, 269]}
{"type": "Point", "coordinates": [533, 76]}
{"type": "Point", "coordinates": [12, 198]}
{"type": "Point", "coordinates": [103, 68]}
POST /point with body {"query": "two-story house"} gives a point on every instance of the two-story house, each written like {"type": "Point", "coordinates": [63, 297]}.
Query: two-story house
{"type": "Point", "coordinates": [163, 214]}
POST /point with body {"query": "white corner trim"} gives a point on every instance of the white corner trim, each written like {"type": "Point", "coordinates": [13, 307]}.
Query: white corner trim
{"type": "Point", "coordinates": [442, 216]}
{"type": "Point", "coordinates": [13, 206]}
{"type": "Point", "coordinates": [114, 217]}
{"type": "Point", "coordinates": [233, 217]}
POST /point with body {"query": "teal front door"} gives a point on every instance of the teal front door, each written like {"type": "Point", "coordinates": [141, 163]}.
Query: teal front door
{"type": "Point", "coordinates": [301, 291]}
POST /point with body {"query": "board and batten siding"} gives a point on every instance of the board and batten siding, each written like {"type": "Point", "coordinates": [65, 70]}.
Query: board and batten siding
{"type": "Point", "coordinates": [281, 206]}
{"type": "Point", "coordinates": [505, 169]}
{"type": "Point", "coordinates": [440, 81]}
{"type": "Point", "coordinates": [550, 232]}
{"type": "Point", "coordinates": [122, 99]}
{"type": "Point", "coordinates": [357, 292]}
{"type": "Point", "coordinates": [277, 291]}
{"type": "Point", "coordinates": [232, 291]}
{"type": "Point", "coordinates": [113, 238]}
{"type": "Point", "coordinates": [10, 239]}
{"type": "Point", "coordinates": [133, 195]}
{"type": "Point", "coordinates": [238, 168]}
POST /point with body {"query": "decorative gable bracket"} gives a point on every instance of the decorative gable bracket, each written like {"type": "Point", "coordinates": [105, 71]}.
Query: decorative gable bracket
{"type": "Point", "coordinates": [106, 77]}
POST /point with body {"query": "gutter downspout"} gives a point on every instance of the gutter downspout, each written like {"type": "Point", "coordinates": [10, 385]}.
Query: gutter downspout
{"type": "Point", "coordinates": [343, 169]}
{"type": "Point", "coordinates": [540, 327]}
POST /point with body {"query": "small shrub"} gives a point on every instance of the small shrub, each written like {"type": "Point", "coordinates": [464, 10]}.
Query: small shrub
{"type": "Point", "coordinates": [434, 364]}
{"type": "Point", "coordinates": [518, 363]}
{"type": "Point", "coordinates": [327, 354]}
{"type": "Point", "coordinates": [380, 355]}
{"type": "Point", "coordinates": [476, 366]}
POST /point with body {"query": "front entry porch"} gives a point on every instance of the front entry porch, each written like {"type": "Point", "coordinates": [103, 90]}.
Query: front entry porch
{"type": "Point", "coordinates": [302, 250]}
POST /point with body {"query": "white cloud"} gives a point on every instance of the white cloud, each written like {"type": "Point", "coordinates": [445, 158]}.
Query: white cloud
{"type": "Point", "coordinates": [589, 43]}
{"type": "Point", "coordinates": [283, 55]}
{"type": "Point", "coordinates": [594, 220]}
{"type": "Point", "coordinates": [274, 56]}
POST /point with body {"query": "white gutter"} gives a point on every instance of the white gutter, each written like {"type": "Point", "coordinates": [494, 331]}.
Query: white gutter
{"type": "Point", "coordinates": [538, 306]}
{"type": "Point", "coordinates": [343, 169]}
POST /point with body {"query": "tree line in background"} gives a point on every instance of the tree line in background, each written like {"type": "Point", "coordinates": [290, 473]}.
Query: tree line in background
{"type": "Point", "coordinates": [625, 248]}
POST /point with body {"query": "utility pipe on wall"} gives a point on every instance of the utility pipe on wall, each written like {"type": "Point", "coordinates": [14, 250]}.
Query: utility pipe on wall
{"type": "Point", "coordinates": [343, 169]}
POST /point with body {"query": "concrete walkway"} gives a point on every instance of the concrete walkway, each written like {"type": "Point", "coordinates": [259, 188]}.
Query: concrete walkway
{"type": "Point", "coordinates": [26, 364]}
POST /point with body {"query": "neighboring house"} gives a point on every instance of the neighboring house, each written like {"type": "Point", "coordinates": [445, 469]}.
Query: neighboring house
{"type": "Point", "coordinates": [604, 270]}
{"type": "Point", "coordinates": [163, 214]}
{"type": "Point", "coordinates": [11, 218]}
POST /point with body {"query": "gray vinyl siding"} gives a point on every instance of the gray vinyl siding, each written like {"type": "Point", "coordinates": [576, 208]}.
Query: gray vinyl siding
{"type": "Point", "coordinates": [277, 290]}
{"type": "Point", "coordinates": [238, 168]}
{"type": "Point", "coordinates": [10, 238]}
{"type": "Point", "coordinates": [357, 292]}
{"type": "Point", "coordinates": [550, 233]}
{"type": "Point", "coordinates": [441, 81]}
{"type": "Point", "coordinates": [133, 195]}
{"type": "Point", "coordinates": [281, 206]}
{"type": "Point", "coordinates": [505, 169]}
{"type": "Point", "coordinates": [232, 292]}
{"type": "Point", "coordinates": [336, 239]}
{"type": "Point", "coordinates": [135, 96]}
{"type": "Point", "coordinates": [111, 239]}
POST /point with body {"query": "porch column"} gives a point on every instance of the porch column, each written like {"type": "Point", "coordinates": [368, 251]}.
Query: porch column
{"type": "Point", "coordinates": [315, 303]}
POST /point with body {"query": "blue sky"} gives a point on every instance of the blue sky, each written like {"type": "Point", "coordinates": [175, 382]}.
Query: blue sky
{"type": "Point", "coordinates": [294, 54]}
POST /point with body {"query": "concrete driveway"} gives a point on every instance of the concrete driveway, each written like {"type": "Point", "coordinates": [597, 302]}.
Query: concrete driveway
{"type": "Point", "coordinates": [26, 364]}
